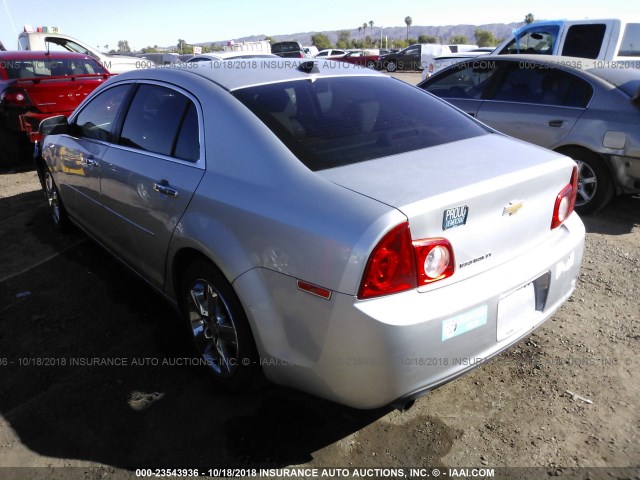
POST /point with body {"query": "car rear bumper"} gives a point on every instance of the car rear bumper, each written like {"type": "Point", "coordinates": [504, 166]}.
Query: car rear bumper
{"type": "Point", "coordinates": [389, 350]}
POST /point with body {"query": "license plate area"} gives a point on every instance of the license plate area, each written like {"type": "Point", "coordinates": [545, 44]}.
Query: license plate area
{"type": "Point", "coordinates": [521, 310]}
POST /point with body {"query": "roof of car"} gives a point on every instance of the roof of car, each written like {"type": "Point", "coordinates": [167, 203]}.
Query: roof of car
{"type": "Point", "coordinates": [31, 55]}
{"type": "Point", "coordinates": [258, 71]}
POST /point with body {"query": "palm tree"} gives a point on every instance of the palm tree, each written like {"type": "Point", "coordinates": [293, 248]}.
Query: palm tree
{"type": "Point", "coordinates": [371, 25]}
{"type": "Point", "coordinates": [408, 21]}
{"type": "Point", "coordinates": [359, 32]}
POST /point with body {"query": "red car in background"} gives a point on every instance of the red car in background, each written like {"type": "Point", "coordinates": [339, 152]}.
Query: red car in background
{"type": "Point", "coordinates": [38, 85]}
{"type": "Point", "coordinates": [358, 57]}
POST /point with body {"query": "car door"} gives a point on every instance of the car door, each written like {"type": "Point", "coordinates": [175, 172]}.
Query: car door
{"type": "Point", "coordinates": [409, 59]}
{"type": "Point", "coordinates": [78, 155]}
{"type": "Point", "coordinates": [149, 177]}
{"type": "Point", "coordinates": [463, 85]}
{"type": "Point", "coordinates": [535, 102]}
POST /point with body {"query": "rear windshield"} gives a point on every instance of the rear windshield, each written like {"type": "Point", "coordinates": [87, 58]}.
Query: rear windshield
{"type": "Point", "coordinates": [630, 45]}
{"type": "Point", "coordinates": [285, 47]}
{"type": "Point", "coordinates": [51, 68]}
{"type": "Point", "coordinates": [331, 122]}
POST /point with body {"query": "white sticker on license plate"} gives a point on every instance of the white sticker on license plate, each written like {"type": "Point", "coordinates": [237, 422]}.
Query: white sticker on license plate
{"type": "Point", "coordinates": [517, 312]}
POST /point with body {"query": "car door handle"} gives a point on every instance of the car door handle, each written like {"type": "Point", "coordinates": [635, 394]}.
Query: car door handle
{"type": "Point", "coordinates": [88, 161]}
{"type": "Point", "coordinates": [556, 123]}
{"type": "Point", "coordinates": [164, 188]}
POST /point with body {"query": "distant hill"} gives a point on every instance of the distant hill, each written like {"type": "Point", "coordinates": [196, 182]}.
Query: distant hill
{"type": "Point", "coordinates": [443, 33]}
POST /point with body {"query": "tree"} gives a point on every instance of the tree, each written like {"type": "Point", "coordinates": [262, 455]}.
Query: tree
{"type": "Point", "coordinates": [398, 43]}
{"type": "Point", "coordinates": [371, 25]}
{"type": "Point", "coordinates": [427, 39]}
{"type": "Point", "coordinates": [321, 41]}
{"type": "Point", "coordinates": [359, 32]}
{"type": "Point", "coordinates": [344, 39]}
{"type": "Point", "coordinates": [458, 39]}
{"type": "Point", "coordinates": [529, 18]}
{"type": "Point", "coordinates": [123, 46]}
{"type": "Point", "coordinates": [408, 21]}
{"type": "Point", "coordinates": [485, 38]}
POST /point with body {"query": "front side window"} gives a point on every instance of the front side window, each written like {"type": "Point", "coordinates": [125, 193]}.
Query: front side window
{"type": "Point", "coordinates": [537, 42]}
{"type": "Point", "coordinates": [464, 80]}
{"type": "Point", "coordinates": [330, 122]}
{"type": "Point", "coordinates": [97, 118]}
{"type": "Point", "coordinates": [544, 86]}
{"type": "Point", "coordinates": [154, 120]}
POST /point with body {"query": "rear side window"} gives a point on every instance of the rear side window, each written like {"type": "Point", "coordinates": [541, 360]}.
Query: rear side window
{"type": "Point", "coordinates": [156, 117]}
{"type": "Point", "coordinates": [332, 122]}
{"type": "Point", "coordinates": [97, 118]}
{"type": "Point", "coordinates": [630, 46]}
{"type": "Point", "coordinates": [584, 40]}
{"type": "Point", "coordinates": [285, 47]}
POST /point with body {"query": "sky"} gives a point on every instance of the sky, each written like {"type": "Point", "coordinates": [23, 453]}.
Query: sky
{"type": "Point", "coordinates": [160, 22]}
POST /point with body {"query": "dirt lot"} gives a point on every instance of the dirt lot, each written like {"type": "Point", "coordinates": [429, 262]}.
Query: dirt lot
{"type": "Point", "coordinates": [63, 300]}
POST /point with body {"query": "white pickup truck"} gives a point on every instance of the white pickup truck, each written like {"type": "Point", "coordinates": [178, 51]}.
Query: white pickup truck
{"type": "Point", "coordinates": [611, 41]}
{"type": "Point", "coordinates": [48, 38]}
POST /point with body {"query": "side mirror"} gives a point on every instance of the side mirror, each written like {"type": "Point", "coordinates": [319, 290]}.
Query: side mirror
{"type": "Point", "coordinates": [54, 125]}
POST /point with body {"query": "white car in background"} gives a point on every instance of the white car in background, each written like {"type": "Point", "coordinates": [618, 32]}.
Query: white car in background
{"type": "Point", "coordinates": [330, 52]}
{"type": "Point", "coordinates": [443, 61]}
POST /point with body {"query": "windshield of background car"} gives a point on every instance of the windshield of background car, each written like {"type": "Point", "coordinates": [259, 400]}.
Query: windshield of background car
{"type": "Point", "coordinates": [48, 67]}
{"type": "Point", "coordinates": [539, 41]}
{"type": "Point", "coordinates": [331, 122]}
{"type": "Point", "coordinates": [630, 46]}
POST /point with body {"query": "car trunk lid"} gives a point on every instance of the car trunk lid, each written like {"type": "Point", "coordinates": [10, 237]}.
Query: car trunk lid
{"type": "Point", "coordinates": [491, 196]}
{"type": "Point", "coordinates": [59, 94]}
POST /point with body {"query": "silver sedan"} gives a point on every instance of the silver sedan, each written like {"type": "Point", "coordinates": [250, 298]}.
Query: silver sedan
{"type": "Point", "coordinates": [583, 108]}
{"type": "Point", "coordinates": [326, 226]}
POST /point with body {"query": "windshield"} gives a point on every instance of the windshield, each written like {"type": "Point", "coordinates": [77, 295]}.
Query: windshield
{"type": "Point", "coordinates": [331, 122]}
{"type": "Point", "coordinates": [28, 69]}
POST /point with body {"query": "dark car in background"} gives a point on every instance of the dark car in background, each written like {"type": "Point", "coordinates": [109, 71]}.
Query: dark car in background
{"type": "Point", "coordinates": [38, 85]}
{"type": "Point", "coordinates": [562, 103]}
{"type": "Point", "coordinates": [358, 57]}
{"type": "Point", "coordinates": [288, 49]}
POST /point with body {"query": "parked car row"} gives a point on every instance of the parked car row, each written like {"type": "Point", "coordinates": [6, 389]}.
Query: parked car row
{"type": "Point", "coordinates": [327, 234]}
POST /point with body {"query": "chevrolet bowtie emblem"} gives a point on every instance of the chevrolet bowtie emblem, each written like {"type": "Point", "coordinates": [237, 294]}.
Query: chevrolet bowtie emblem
{"type": "Point", "coordinates": [513, 207]}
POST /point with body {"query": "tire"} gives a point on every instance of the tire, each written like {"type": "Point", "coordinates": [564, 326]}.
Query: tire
{"type": "Point", "coordinates": [392, 66]}
{"type": "Point", "coordinates": [221, 338]}
{"type": "Point", "coordinates": [371, 64]}
{"type": "Point", "coordinates": [54, 202]}
{"type": "Point", "coordinates": [595, 185]}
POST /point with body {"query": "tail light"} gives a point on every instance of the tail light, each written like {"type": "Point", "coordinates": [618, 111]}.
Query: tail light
{"type": "Point", "coordinates": [15, 97]}
{"type": "Point", "coordinates": [397, 263]}
{"type": "Point", "coordinates": [565, 201]}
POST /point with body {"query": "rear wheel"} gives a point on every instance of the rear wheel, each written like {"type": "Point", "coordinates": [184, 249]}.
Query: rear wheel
{"type": "Point", "coordinates": [54, 202]}
{"type": "Point", "coordinates": [371, 64]}
{"type": "Point", "coordinates": [392, 66]}
{"type": "Point", "coordinates": [219, 328]}
{"type": "Point", "coordinates": [595, 185]}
